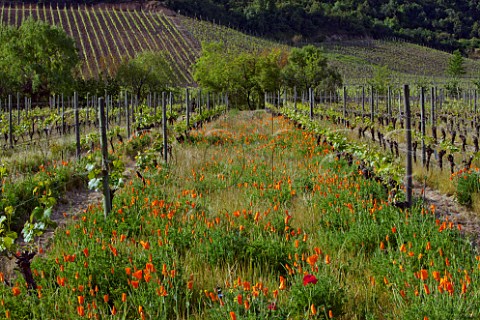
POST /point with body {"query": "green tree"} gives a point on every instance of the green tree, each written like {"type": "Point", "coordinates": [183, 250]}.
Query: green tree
{"type": "Point", "coordinates": [38, 58]}
{"type": "Point", "coordinates": [212, 70]}
{"type": "Point", "coordinates": [270, 66]}
{"type": "Point", "coordinates": [456, 66]}
{"type": "Point", "coordinates": [455, 70]}
{"type": "Point", "coordinates": [307, 67]}
{"type": "Point", "coordinates": [147, 72]}
{"type": "Point", "coordinates": [243, 68]}
{"type": "Point", "coordinates": [381, 79]}
{"type": "Point", "coordinates": [244, 75]}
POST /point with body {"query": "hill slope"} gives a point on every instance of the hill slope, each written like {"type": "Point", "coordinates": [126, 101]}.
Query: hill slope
{"type": "Point", "coordinates": [442, 24]}
{"type": "Point", "coordinates": [106, 34]}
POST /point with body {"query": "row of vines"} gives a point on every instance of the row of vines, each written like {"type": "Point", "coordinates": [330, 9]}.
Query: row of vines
{"type": "Point", "coordinates": [445, 132]}
{"type": "Point", "coordinates": [106, 36]}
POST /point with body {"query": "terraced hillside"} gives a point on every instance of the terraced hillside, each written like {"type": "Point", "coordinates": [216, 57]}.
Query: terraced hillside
{"type": "Point", "coordinates": [358, 57]}
{"type": "Point", "coordinates": [106, 35]}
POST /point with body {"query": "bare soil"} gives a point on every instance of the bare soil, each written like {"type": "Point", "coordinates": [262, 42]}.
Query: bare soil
{"type": "Point", "coordinates": [74, 203]}
{"type": "Point", "coordinates": [447, 206]}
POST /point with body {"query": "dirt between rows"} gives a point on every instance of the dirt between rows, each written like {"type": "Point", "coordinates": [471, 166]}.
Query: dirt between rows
{"type": "Point", "coordinates": [448, 207]}
{"type": "Point", "coordinates": [74, 203]}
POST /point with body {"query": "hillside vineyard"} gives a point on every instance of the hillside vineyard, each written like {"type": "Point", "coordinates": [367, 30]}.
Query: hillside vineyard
{"type": "Point", "coordinates": [105, 36]}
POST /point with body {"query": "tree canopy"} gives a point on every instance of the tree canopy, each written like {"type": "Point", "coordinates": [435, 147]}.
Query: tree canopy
{"type": "Point", "coordinates": [37, 59]}
{"type": "Point", "coordinates": [456, 66]}
{"type": "Point", "coordinates": [307, 67]}
{"type": "Point", "coordinates": [147, 72]}
{"type": "Point", "coordinates": [246, 76]}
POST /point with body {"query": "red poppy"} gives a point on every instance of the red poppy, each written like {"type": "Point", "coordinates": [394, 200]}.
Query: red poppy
{"type": "Point", "coordinates": [309, 278]}
{"type": "Point", "coordinates": [272, 306]}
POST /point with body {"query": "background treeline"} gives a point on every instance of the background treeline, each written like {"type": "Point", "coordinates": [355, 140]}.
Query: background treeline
{"type": "Point", "coordinates": [446, 25]}
{"type": "Point", "coordinates": [442, 24]}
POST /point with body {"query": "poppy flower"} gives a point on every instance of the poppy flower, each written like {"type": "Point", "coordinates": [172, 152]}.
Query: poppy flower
{"type": "Point", "coordinates": [283, 284]}
{"type": "Point", "coordinates": [327, 259]}
{"type": "Point", "coordinates": [311, 260]}
{"type": "Point", "coordinates": [309, 278]}
{"type": "Point", "coordinates": [272, 306]}
{"type": "Point", "coordinates": [16, 291]}
{"type": "Point", "coordinates": [81, 311]}
{"type": "Point", "coordinates": [423, 274]}
{"type": "Point", "coordinates": [138, 274]}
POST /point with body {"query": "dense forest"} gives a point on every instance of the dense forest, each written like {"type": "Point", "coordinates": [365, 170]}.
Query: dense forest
{"type": "Point", "coordinates": [447, 25]}
{"type": "Point", "coordinates": [442, 24]}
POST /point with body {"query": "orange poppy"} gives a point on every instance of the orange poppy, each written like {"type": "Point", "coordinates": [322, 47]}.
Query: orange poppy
{"type": "Point", "coordinates": [16, 291]}
{"type": "Point", "coordinates": [138, 274]}
{"type": "Point", "coordinates": [283, 284]}
{"type": "Point", "coordinates": [81, 311]}
{"type": "Point", "coordinates": [423, 274]}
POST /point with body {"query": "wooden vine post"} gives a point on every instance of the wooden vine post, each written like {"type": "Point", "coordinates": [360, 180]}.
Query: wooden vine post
{"type": "Point", "coordinates": [18, 108]}
{"type": "Point", "coordinates": [127, 114]}
{"type": "Point", "coordinates": [310, 97]}
{"type": "Point", "coordinates": [187, 103]}
{"type": "Point", "coordinates": [107, 199]}
{"type": "Point", "coordinates": [372, 105]}
{"type": "Point", "coordinates": [10, 124]}
{"type": "Point", "coordinates": [363, 100]}
{"type": "Point", "coordinates": [63, 117]}
{"type": "Point", "coordinates": [422, 119]}
{"type": "Point", "coordinates": [408, 133]}
{"type": "Point", "coordinates": [77, 124]}
{"type": "Point", "coordinates": [164, 128]}
{"type": "Point", "coordinates": [227, 101]}
{"type": "Point", "coordinates": [119, 107]}
{"type": "Point", "coordinates": [155, 103]}
{"type": "Point", "coordinates": [344, 102]}
{"type": "Point", "coordinates": [432, 112]}
{"type": "Point", "coordinates": [295, 98]}
{"type": "Point", "coordinates": [475, 108]}
{"type": "Point", "coordinates": [389, 107]}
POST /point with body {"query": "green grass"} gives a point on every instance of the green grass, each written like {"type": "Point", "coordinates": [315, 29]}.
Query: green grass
{"type": "Point", "coordinates": [252, 205]}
